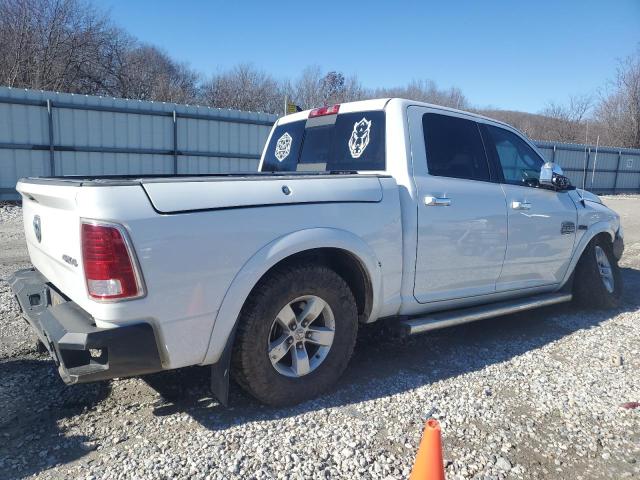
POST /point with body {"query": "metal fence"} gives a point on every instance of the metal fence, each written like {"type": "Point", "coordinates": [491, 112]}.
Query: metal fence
{"type": "Point", "coordinates": [598, 169]}
{"type": "Point", "coordinates": [47, 133]}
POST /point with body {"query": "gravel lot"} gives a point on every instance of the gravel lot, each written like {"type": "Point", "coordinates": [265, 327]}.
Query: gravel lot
{"type": "Point", "coordinates": [533, 395]}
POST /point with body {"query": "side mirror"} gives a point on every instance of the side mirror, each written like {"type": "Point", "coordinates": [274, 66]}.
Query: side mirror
{"type": "Point", "coordinates": [551, 176]}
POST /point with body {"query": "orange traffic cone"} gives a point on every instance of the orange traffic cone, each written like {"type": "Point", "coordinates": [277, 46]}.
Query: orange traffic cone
{"type": "Point", "coordinates": [428, 464]}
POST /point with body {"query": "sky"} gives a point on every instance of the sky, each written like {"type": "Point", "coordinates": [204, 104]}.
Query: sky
{"type": "Point", "coordinates": [515, 55]}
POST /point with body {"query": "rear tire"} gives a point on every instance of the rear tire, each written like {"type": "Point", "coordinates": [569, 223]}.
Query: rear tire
{"type": "Point", "coordinates": [598, 281]}
{"type": "Point", "coordinates": [269, 335]}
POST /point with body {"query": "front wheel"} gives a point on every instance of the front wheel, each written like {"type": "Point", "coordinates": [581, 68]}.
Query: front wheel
{"type": "Point", "coordinates": [598, 281]}
{"type": "Point", "coordinates": [295, 335]}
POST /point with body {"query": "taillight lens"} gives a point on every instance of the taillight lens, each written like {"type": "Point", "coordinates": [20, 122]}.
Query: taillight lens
{"type": "Point", "coordinates": [319, 112]}
{"type": "Point", "coordinates": [109, 268]}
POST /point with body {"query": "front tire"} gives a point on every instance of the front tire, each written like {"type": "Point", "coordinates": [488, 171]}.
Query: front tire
{"type": "Point", "coordinates": [296, 334]}
{"type": "Point", "coordinates": [598, 281]}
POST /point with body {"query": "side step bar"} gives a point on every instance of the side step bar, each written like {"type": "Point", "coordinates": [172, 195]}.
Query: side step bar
{"type": "Point", "coordinates": [434, 321]}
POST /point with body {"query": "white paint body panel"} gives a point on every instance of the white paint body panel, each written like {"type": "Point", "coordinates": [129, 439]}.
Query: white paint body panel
{"type": "Point", "coordinates": [203, 244]}
{"type": "Point", "coordinates": [472, 230]}
{"type": "Point", "coordinates": [537, 252]}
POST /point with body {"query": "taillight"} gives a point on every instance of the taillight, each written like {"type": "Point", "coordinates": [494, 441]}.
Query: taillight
{"type": "Point", "coordinates": [109, 266]}
{"type": "Point", "coordinates": [319, 112]}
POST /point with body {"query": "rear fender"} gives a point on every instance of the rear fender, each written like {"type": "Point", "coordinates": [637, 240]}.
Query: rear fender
{"type": "Point", "coordinates": [270, 255]}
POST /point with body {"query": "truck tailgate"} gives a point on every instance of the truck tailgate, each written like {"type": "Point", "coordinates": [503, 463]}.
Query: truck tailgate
{"type": "Point", "coordinates": [180, 196]}
{"type": "Point", "coordinates": [52, 231]}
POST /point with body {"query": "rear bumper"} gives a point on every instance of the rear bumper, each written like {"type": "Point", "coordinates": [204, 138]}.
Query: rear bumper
{"type": "Point", "coordinates": [82, 351]}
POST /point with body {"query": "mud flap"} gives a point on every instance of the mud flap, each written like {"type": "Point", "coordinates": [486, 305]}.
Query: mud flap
{"type": "Point", "coordinates": [220, 372]}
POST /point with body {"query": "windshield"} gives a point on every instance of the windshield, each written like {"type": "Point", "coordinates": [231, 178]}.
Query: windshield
{"type": "Point", "coordinates": [347, 141]}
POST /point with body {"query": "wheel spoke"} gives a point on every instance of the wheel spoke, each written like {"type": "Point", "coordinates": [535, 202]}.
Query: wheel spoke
{"type": "Point", "coordinates": [279, 348]}
{"type": "Point", "coordinates": [321, 336]}
{"type": "Point", "coordinates": [286, 317]}
{"type": "Point", "coordinates": [300, 361]}
{"type": "Point", "coordinates": [312, 310]}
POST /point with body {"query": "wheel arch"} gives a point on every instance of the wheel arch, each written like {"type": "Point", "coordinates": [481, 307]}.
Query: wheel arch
{"type": "Point", "coordinates": [603, 228]}
{"type": "Point", "coordinates": [341, 250]}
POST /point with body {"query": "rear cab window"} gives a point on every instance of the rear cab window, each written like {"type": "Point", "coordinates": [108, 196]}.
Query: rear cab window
{"type": "Point", "coordinates": [353, 141]}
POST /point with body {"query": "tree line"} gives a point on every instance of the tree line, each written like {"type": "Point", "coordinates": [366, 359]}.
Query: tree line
{"type": "Point", "coordinates": [71, 46]}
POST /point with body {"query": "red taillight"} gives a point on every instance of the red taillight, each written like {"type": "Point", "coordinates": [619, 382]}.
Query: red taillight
{"type": "Point", "coordinates": [108, 266]}
{"type": "Point", "coordinates": [319, 112]}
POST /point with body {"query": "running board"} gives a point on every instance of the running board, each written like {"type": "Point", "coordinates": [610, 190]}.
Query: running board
{"type": "Point", "coordinates": [438, 320]}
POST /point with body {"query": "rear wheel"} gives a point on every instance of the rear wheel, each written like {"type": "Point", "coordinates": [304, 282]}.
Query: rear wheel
{"type": "Point", "coordinates": [597, 281]}
{"type": "Point", "coordinates": [296, 334]}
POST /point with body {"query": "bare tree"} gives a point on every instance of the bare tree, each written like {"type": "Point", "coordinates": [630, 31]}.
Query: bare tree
{"type": "Point", "coordinates": [307, 89]}
{"type": "Point", "coordinates": [619, 108]}
{"type": "Point", "coordinates": [313, 88]}
{"type": "Point", "coordinates": [245, 88]}
{"type": "Point", "coordinates": [53, 44]}
{"type": "Point", "coordinates": [146, 73]}
{"type": "Point", "coordinates": [567, 122]}
{"type": "Point", "coordinates": [426, 91]}
{"type": "Point", "coordinates": [70, 46]}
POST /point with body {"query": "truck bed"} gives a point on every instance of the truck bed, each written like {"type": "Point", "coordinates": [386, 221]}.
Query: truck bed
{"type": "Point", "coordinates": [195, 235]}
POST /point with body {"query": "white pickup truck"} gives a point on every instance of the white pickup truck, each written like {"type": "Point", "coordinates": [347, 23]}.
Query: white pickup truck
{"type": "Point", "coordinates": [382, 209]}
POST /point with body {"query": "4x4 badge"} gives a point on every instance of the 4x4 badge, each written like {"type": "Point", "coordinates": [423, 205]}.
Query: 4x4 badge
{"type": "Point", "coordinates": [567, 227]}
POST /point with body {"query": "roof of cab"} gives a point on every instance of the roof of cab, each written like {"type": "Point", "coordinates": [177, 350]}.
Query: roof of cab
{"type": "Point", "coordinates": [380, 104]}
{"type": "Point", "coordinates": [347, 107]}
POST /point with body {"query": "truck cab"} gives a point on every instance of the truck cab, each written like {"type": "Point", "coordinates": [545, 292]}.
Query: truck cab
{"type": "Point", "coordinates": [474, 210]}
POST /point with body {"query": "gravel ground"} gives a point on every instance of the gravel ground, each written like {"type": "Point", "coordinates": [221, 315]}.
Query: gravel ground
{"type": "Point", "coordinates": [533, 395]}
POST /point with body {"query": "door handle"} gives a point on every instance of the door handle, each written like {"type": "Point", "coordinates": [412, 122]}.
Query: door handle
{"type": "Point", "coordinates": [437, 201]}
{"type": "Point", "coordinates": [516, 205]}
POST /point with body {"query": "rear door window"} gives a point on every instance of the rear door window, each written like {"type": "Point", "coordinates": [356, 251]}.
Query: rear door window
{"type": "Point", "coordinates": [454, 147]}
{"type": "Point", "coordinates": [347, 141]}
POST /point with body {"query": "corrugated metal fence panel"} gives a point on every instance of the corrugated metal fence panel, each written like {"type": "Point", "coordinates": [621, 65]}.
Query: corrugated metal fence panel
{"type": "Point", "coordinates": [570, 158]}
{"type": "Point", "coordinates": [217, 165]}
{"type": "Point", "coordinates": [110, 136]}
{"type": "Point", "coordinates": [616, 169]}
{"type": "Point", "coordinates": [628, 182]}
{"type": "Point", "coordinates": [547, 153]}
{"type": "Point", "coordinates": [93, 163]}
{"type": "Point", "coordinates": [575, 177]}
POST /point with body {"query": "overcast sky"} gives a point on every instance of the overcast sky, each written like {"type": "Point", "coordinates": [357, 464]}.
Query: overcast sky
{"type": "Point", "coordinates": [508, 54]}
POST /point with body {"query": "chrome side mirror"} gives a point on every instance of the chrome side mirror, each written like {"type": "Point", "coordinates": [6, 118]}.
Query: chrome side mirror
{"type": "Point", "coordinates": [551, 176]}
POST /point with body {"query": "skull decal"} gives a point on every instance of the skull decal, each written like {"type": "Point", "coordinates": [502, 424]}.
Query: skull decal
{"type": "Point", "coordinates": [283, 147]}
{"type": "Point", "coordinates": [359, 137]}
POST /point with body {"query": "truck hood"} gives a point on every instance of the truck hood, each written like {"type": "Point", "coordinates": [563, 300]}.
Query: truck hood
{"type": "Point", "coordinates": [591, 197]}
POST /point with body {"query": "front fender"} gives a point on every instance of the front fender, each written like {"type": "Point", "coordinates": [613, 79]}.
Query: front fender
{"type": "Point", "coordinates": [270, 255]}
{"type": "Point", "coordinates": [605, 226]}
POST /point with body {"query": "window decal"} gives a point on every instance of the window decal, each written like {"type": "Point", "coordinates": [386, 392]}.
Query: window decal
{"type": "Point", "coordinates": [359, 137]}
{"type": "Point", "coordinates": [283, 147]}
